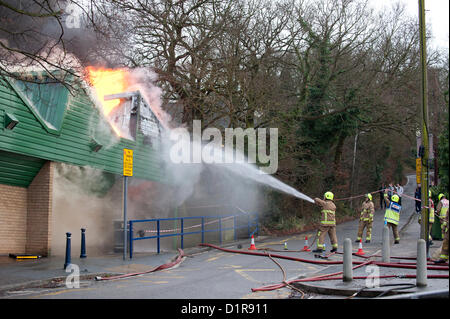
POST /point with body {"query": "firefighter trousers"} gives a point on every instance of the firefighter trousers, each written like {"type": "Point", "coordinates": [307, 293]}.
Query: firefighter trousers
{"type": "Point", "coordinates": [394, 231]}
{"type": "Point", "coordinates": [365, 224]}
{"type": "Point", "coordinates": [444, 249]}
{"type": "Point", "coordinates": [322, 232]}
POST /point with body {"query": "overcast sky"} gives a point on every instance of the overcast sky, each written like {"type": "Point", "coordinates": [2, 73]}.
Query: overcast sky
{"type": "Point", "coordinates": [436, 16]}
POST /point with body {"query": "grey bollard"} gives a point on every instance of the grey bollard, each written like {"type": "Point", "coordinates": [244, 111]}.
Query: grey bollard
{"type": "Point", "coordinates": [348, 271]}
{"type": "Point", "coordinates": [421, 270]}
{"type": "Point", "coordinates": [386, 249]}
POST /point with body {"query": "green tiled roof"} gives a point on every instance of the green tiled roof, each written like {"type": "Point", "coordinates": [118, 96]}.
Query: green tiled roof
{"type": "Point", "coordinates": [53, 125]}
{"type": "Point", "coordinates": [47, 100]}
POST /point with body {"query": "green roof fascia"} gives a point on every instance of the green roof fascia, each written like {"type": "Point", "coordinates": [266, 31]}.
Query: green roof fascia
{"type": "Point", "coordinates": [28, 103]}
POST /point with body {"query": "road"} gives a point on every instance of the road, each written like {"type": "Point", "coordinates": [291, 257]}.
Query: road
{"type": "Point", "coordinates": [204, 275]}
{"type": "Point", "coordinates": [214, 274]}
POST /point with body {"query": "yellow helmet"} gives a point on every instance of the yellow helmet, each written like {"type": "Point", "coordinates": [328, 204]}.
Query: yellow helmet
{"type": "Point", "coordinates": [369, 196]}
{"type": "Point", "coordinates": [440, 196]}
{"type": "Point", "coordinates": [429, 193]}
{"type": "Point", "coordinates": [329, 195]}
{"type": "Point", "coordinates": [395, 198]}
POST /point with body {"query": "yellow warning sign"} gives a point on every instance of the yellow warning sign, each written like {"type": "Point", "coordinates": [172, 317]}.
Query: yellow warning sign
{"type": "Point", "coordinates": [127, 162]}
{"type": "Point", "coordinates": [418, 170]}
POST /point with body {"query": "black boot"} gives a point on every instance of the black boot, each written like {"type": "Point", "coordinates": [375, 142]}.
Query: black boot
{"type": "Point", "coordinates": [333, 250]}
{"type": "Point", "coordinates": [318, 250]}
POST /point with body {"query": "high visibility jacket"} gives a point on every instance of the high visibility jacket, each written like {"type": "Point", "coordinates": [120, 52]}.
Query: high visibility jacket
{"type": "Point", "coordinates": [367, 210]}
{"type": "Point", "coordinates": [442, 208]}
{"type": "Point", "coordinates": [443, 213]}
{"type": "Point", "coordinates": [431, 217]}
{"type": "Point", "coordinates": [328, 212]}
{"type": "Point", "coordinates": [445, 227]}
{"type": "Point", "coordinates": [392, 214]}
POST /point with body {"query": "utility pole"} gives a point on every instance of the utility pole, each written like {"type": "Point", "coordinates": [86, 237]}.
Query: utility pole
{"type": "Point", "coordinates": [353, 169]}
{"type": "Point", "coordinates": [425, 149]}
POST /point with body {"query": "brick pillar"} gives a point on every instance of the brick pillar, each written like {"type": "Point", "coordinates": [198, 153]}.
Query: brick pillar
{"type": "Point", "coordinates": [13, 219]}
{"type": "Point", "coordinates": [39, 215]}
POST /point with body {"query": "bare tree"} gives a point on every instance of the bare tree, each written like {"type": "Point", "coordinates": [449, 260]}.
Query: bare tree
{"type": "Point", "coordinates": [33, 40]}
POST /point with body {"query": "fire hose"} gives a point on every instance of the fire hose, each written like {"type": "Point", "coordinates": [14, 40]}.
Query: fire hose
{"type": "Point", "coordinates": [323, 262]}
{"type": "Point", "coordinates": [171, 264]}
{"type": "Point", "coordinates": [332, 276]}
{"type": "Point", "coordinates": [379, 191]}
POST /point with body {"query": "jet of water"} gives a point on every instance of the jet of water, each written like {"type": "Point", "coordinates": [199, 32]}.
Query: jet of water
{"type": "Point", "coordinates": [250, 171]}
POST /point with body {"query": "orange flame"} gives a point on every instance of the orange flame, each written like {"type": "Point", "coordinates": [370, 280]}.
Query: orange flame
{"type": "Point", "coordinates": [108, 81]}
{"type": "Point", "coordinates": [105, 82]}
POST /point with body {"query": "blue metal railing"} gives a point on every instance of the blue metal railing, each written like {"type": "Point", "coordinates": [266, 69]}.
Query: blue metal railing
{"type": "Point", "coordinates": [251, 222]}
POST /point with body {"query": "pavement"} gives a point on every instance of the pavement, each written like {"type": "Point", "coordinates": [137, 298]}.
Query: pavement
{"type": "Point", "coordinates": [49, 272]}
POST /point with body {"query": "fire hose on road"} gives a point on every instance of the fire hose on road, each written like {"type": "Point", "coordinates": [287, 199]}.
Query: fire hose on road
{"type": "Point", "coordinates": [285, 283]}
{"type": "Point", "coordinates": [333, 276]}
{"type": "Point", "coordinates": [171, 264]}
{"type": "Point", "coordinates": [323, 262]}
{"type": "Point", "coordinates": [336, 275]}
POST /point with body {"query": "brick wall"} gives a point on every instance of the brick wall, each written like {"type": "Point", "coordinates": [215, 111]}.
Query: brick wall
{"type": "Point", "coordinates": [39, 216]}
{"type": "Point", "coordinates": [13, 219]}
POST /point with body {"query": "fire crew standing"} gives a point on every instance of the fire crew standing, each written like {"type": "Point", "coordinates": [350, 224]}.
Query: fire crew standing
{"type": "Point", "coordinates": [442, 210]}
{"type": "Point", "coordinates": [366, 219]}
{"type": "Point", "coordinates": [327, 222]}
{"type": "Point", "coordinates": [392, 215]}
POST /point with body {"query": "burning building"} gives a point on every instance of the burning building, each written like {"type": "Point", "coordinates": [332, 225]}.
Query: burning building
{"type": "Point", "coordinates": [44, 130]}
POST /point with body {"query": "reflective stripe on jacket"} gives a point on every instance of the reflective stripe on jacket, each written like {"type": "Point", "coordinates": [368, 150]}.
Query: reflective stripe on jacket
{"type": "Point", "coordinates": [392, 214]}
{"type": "Point", "coordinates": [367, 210]}
{"type": "Point", "coordinates": [431, 217]}
{"type": "Point", "coordinates": [328, 212]}
{"type": "Point", "coordinates": [443, 208]}
{"type": "Point", "coordinates": [328, 217]}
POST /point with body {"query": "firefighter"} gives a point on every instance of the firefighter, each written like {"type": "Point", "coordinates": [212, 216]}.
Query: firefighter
{"type": "Point", "coordinates": [366, 218]}
{"type": "Point", "coordinates": [327, 222]}
{"type": "Point", "coordinates": [392, 215]}
{"type": "Point", "coordinates": [430, 217]}
{"type": "Point", "coordinates": [442, 210]}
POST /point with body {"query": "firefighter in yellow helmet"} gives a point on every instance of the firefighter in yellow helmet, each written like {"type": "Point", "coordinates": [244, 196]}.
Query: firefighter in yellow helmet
{"type": "Point", "coordinates": [392, 215]}
{"type": "Point", "coordinates": [430, 217]}
{"type": "Point", "coordinates": [327, 222]}
{"type": "Point", "coordinates": [442, 210]}
{"type": "Point", "coordinates": [366, 218]}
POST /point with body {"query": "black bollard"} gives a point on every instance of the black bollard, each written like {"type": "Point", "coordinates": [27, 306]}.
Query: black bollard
{"type": "Point", "coordinates": [83, 243]}
{"type": "Point", "coordinates": [67, 261]}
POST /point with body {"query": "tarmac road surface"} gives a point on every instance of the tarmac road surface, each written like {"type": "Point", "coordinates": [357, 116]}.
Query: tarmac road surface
{"type": "Point", "coordinates": [214, 274]}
